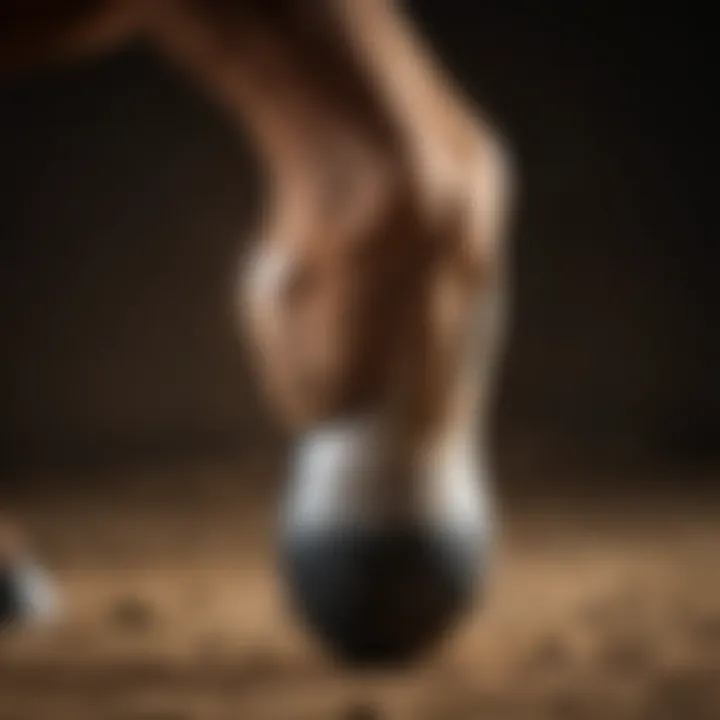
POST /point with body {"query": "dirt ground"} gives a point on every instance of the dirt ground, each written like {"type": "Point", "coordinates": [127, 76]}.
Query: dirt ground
{"type": "Point", "coordinates": [172, 611]}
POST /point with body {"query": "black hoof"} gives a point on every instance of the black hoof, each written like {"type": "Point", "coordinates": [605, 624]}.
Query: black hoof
{"type": "Point", "coordinates": [381, 598]}
{"type": "Point", "coordinates": [9, 600]}
{"type": "Point", "coordinates": [25, 596]}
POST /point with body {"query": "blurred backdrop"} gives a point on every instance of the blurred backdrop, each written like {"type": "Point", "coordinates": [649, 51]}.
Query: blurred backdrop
{"type": "Point", "coordinates": [126, 196]}
{"type": "Point", "coordinates": [132, 437]}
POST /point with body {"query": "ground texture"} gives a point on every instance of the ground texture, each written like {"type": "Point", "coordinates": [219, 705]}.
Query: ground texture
{"type": "Point", "coordinates": [172, 611]}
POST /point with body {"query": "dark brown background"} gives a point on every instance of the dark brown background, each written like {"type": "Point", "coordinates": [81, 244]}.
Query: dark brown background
{"type": "Point", "coordinates": [124, 197]}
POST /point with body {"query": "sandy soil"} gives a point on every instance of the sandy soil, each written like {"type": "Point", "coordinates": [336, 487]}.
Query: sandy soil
{"type": "Point", "coordinates": [172, 611]}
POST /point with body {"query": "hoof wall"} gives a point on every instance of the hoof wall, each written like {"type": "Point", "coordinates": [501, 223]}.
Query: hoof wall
{"type": "Point", "coordinates": [381, 598]}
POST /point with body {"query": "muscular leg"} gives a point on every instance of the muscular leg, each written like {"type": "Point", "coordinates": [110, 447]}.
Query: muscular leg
{"type": "Point", "coordinates": [384, 209]}
{"type": "Point", "coordinates": [379, 175]}
{"type": "Point", "coordinates": [380, 243]}
{"type": "Point", "coordinates": [372, 301]}
{"type": "Point", "coordinates": [372, 297]}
